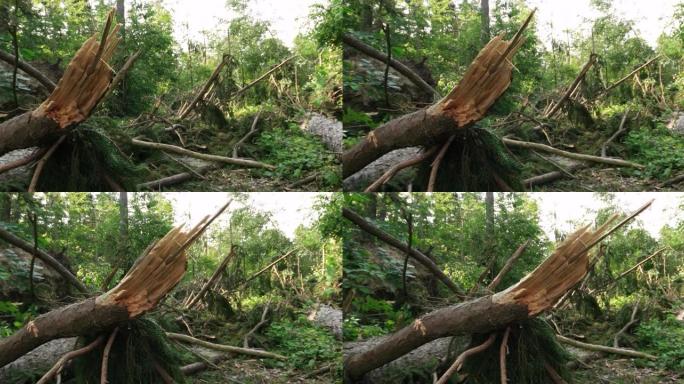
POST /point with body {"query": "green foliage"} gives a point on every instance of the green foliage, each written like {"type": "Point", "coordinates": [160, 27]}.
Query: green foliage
{"type": "Point", "coordinates": [296, 154]}
{"type": "Point", "coordinates": [353, 329]}
{"type": "Point", "coordinates": [531, 345]}
{"type": "Point", "coordinates": [137, 347]}
{"type": "Point", "coordinates": [645, 146]}
{"type": "Point", "coordinates": [665, 339]}
{"type": "Point", "coordinates": [305, 345]}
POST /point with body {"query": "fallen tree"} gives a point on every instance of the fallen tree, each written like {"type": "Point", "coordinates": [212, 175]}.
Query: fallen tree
{"type": "Point", "coordinates": [85, 82]}
{"type": "Point", "coordinates": [535, 293]}
{"type": "Point", "coordinates": [484, 82]}
{"type": "Point", "coordinates": [152, 276]}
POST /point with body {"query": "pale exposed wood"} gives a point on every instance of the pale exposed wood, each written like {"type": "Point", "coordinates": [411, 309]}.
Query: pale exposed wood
{"type": "Point", "coordinates": [571, 155]}
{"type": "Point", "coordinates": [603, 348]}
{"type": "Point", "coordinates": [215, 158]}
{"type": "Point", "coordinates": [536, 292]}
{"type": "Point", "coordinates": [463, 356]}
{"type": "Point", "coordinates": [484, 82]}
{"type": "Point", "coordinates": [225, 348]}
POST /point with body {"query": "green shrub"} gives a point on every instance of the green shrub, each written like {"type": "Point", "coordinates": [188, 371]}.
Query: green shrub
{"type": "Point", "coordinates": [665, 339]}
{"type": "Point", "coordinates": [305, 345]}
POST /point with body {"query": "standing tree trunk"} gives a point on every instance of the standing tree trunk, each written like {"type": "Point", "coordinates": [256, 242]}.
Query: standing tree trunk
{"type": "Point", "coordinates": [489, 230]}
{"type": "Point", "coordinates": [486, 34]}
{"type": "Point", "coordinates": [5, 207]}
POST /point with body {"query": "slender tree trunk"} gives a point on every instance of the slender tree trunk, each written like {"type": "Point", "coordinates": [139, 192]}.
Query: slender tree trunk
{"type": "Point", "coordinates": [5, 207]}
{"type": "Point", "coordinates": [486, 34]}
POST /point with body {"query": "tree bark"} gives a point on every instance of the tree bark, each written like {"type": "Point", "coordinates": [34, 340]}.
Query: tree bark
{"type": "Point", "coordinates": [85, 81]}
{"type": "Point", "coordinates": [151, 278]}
{"type": "Point", "coordinates": [416, 254]}
{"type": "Point", "coordinates": [484, 82]}
{"type": "Point", "coordinates": [486, 34]}
{"type": "Point", "coordinates": [532, 295]}
{"type": "Point", "coordinates": [31, 71]}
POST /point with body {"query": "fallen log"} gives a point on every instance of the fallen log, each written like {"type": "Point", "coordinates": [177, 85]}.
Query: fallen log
{"type": "Point", "coordinates": [253, 83]}
{"type": "Point", "coordinates": [414, 253]}
{"type": "Point", "coordinates": [551, 176]}
{"type": "Point", "coordinates": [634, 72]}
{"type": "Point", "coordinates": [175, 179]}
{"type": "Point", "coordinates": [152, 276]}
{"type": "Point", "coordinates": [396, 64]}
{"type": "Point", "coordinates": [210, 283]}
{"type": "Point", "coordinates": [484, 82]}
{"type": "Point", "coordinates": [571, 155]}
{"type": "Point", "coordinates": [535, 293]}
{"type": "Point", "coordinates": [72, 101]}
{"type": "Point", "coordinates": [225, 348]}
{"type": "Point", "coordinates": [31, 71]}
{"type": "Point", "coordinates": [249, 134]}
{"type": "Point", "coordinates": [45, 258]}
{"type": "Point", "coordinates": [214, 158]}
{"type": "Point", "coordinates": [603, 348]}
{"type": "Point", "coordinates": [620, 131]}
{"type": "Point", "coordinates": [202, 92]}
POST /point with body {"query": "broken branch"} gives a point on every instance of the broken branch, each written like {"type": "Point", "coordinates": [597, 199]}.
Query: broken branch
{"type": "Point", "coordinates": [225, 348]}
{"type": "Point", "coordinates": [603, 348]}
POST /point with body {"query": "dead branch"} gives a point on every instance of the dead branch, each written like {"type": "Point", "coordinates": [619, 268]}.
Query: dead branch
{"type": "Point", "coordinates": [621, 130]}
{"type": "Point", "coordinates": [69, 356]}
{"type": "Point", "coordinates": [502, 355]}
{"type": "Point", "coordinates": [627, 272]}
{"type": "Point", "coordinates": [387, 176]}
{"type": "Point", "coordinates": [602, 348]}
{"type": "Point", "coordinates": [266, 268]}
{"type": "Point", "coordinates": [507, 267]}
{"type": "Point", "coordinates": [210, 283]}
{"type": "Point", "coordinates": [41, 164]}
{"type": "Point", "coordinates": [249, 134]}
{"type": "Point", "coordinates": [175, 179]}
{"type": "Point", "coordinates": [45, 258]}
{"type": "Point", "coordinates": [28, 69]}
{"type": "Point", "coordinates": [260, 324]}
{"type": "Point", "coordinates": [396, 64]}
{"type": "Point", "coordinates": [571, 155]}
{"type": "Point", "coordinates": [632, 321]}
{"type": "Point", "coordinates": [72, 101]}
{"type": "Point", "coordinates": [214, 158]}
{"type": "Point", "coordinates": [484, 82]}
{"type": "Point", "coordinates": [572, 87]}
{"type": "Point", "coordinates": [23, 161]}
{"type": "Point", "coordinates": [105, 356]}
{"type": "Point", "coordinates": [463, 356]}
{"type": "Point", "coordinates": [416, 254]}
{"type": "Point", "coordinates": [265, 75]}
{"type": "Point", "coordinates": [225, 348]}
{"type": "Point", "coordinates": [124, 70]}
{"type": "Point", "coordinates": [152, 276]}
{"type": "Point", "coordinates": [437, 163]}
{"type": "Point", "coordinates": [634, 72]}
{"type": "Point", "coordinates": [203, 91]}
{"type": "Point", "coordinates": [535, 293]}
{"type": "Point", "coordinates": [551, 176]}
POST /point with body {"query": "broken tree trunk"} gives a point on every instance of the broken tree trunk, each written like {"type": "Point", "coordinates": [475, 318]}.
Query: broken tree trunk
{"type": "Point", "coordinates": [484, 82]}
{"type": "Point", "coordinates": [212, 280]}
{"type": "Point", "coordinates": [36, 74]}
{"type": "Point", "coordinates": [203, 91]}
{"type": "Point", "coordinates": [85, 81]}
{"type": "Point", "coordinates": [571, 89]}
{"type": "Point", "coordinates": [535, 293]}
{"type": "Point", "coordinates": [416, 254]}
{"type": "Point", "coordinates": [152, 276]}
{"type": "Point", "coordinates": [634, 72]}
{"type": "Point", "coordinates": [253, 83]}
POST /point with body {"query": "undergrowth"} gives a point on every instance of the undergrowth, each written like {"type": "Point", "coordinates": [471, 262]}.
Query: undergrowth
{"type": "Point", "coordinates": [306, 345]}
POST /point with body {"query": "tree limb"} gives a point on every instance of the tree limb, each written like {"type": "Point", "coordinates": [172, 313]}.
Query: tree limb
{"type": "Point", "coordinates": [28, 69]}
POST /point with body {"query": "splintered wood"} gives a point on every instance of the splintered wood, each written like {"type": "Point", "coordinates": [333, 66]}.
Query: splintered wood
{"type": "Point", "coordinates": [487, 78]}
{"type": "Point", "coordinates": [566, 267]}
{"type": "Point", "coordinates": [155, 273]}
{"type": "Point", "coordinates": [85, 81]}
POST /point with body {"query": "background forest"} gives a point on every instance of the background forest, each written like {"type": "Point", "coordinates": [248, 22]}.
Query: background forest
{"type": "Point", "coordinates": [168, 73]}
{"type": "Point", "coordinates": [470, 237]}
{"type": "Point", "coordinates": [439, 39]}
{"type": "Point", "coordinates": [99, 236]}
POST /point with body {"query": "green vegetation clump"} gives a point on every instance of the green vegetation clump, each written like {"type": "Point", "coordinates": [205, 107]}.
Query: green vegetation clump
{"type": "Point", "coordinates": [305, 345]}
